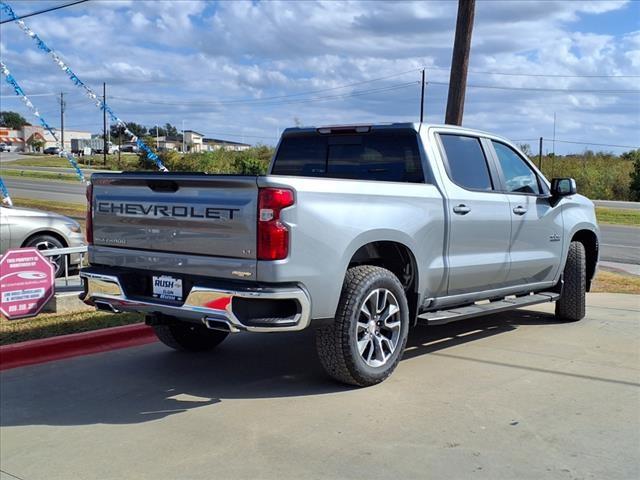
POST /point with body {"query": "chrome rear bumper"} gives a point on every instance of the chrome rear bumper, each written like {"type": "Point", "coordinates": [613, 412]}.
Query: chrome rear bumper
{"type": "Point", "coordinates": [210, 306]}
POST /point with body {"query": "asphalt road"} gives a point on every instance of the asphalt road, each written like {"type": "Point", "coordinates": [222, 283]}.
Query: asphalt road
{"type": "Point", "coordinates": [71, 192]}
{"type": "Point", "coordinates": [512, 396]}
{"type": "Point", "coordinates": [620, 244]}
{"type": "Point", "coordinates": [617, 204]}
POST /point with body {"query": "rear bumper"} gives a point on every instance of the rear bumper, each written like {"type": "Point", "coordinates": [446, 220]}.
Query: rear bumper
{"type": "Point", "coordinates": [288, 308]}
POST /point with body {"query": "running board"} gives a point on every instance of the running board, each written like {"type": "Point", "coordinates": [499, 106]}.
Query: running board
{"type": "Point", "coordinates": [440, 317]}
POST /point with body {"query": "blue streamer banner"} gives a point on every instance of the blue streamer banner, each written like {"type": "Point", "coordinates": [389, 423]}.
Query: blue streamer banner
{"type": "Point", "coordinates": [6, 198]}
{"type": "Point", "coordinates": [79, 83]}
{"type": "Point", "coordinates": [16, 87]}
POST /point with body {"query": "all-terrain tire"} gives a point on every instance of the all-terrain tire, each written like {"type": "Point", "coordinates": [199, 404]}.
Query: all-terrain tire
{"type": "Point", "coordinates": [571, 305]}
{"type": "Point", "coordinates": [337, 343]}
{"type": "Point", "coordinates": [189, 338]}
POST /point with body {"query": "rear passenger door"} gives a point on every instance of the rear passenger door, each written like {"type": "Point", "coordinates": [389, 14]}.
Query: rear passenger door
{"type": "Point", "coordinates": [479, 217]}
{"type": "Point", "coordinates": [536, 232]}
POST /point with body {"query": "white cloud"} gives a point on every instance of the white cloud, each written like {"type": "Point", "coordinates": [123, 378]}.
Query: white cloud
{"type": "Point", "coordinates": [176, 59]}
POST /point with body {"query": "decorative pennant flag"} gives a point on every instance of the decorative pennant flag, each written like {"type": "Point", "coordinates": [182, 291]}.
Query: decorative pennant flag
{"type": "Point", "coordinates": [79, 83]}
{"type": "Point", "coordinates": [12, 81]}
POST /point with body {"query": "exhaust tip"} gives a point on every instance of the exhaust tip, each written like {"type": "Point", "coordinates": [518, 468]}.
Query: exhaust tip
{"type": "Point", "coordinates": [221, 325]}
{"type": "Point", "coordinates": [106, 307]}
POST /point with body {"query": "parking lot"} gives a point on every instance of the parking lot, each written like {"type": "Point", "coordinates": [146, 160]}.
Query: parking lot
{"type": "Point", "coordinates": [515, 395]}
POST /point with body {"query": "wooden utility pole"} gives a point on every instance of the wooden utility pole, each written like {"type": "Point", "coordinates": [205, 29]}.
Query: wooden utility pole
{"type": "Point", "coordinates": [460, 62]}
{"type": "Point", "coordinates": [540, 155]}
{"type": "Point", "coordinates": [422, 99]}
{"type": "Point", "coordinates": [105, 146]}
{"type": "Point", "coordinates": [62, 121]}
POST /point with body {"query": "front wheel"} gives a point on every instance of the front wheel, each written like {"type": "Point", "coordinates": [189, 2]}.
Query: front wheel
{"type": "Point", "coordinates": [48, 242]}
{"type": "Point", "coordinates": [571, 305]}
{"type": "Point", "coordinates": [365, 342]}
{"type": "Point", "coordinates": [187, 337]}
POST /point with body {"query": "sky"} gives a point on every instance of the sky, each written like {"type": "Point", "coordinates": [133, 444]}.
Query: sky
{"type": "Point", "coordinates": [244, 71]}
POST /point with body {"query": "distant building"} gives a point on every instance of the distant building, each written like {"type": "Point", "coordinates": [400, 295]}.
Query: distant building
{"type": "Point", "coordinates": [193, 141]}
{"type": "Point", "coordinates": [211, 144]}
{"type": "Point", "coordinates": [196, 142]}
{"type": "Point", "coordinates": [20, 139]}
{"type": "Point", "coordinates": [68, 136]}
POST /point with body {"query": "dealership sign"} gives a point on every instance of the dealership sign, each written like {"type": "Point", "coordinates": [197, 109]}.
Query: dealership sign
{"type": "Point", "coordinates": [27, 283]}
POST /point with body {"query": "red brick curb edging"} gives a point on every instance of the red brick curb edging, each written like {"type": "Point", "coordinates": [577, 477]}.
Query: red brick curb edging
{"type": "Point", "coordinates": [65, 346]}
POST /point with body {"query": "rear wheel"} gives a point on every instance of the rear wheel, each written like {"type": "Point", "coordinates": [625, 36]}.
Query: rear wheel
{"type": "Point", "coordinates": [365, 342]}
{"type": "Point", "coordinates": [187, 337]}
{"type": "Point", "coordinates": [571, 305]}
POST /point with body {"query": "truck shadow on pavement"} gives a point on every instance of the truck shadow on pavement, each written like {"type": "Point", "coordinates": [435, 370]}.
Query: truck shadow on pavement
{"type": "Point", "coordinates": [143, 384]}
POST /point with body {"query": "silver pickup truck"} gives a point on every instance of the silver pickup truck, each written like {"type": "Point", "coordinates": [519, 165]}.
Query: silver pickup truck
{"type": "Point", "coordinates": [357, 231]}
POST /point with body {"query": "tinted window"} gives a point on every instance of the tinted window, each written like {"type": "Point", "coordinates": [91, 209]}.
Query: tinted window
{"type": "Point", "coordinates": [518, 176]}
{"type": "Point", "coordinates": [467, 163]}
{"type": "Point", "coordinates": [303, 156]}
{"type": "Point", "coordinates": [385, 156]}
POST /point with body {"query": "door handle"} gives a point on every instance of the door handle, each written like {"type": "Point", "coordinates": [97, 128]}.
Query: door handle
{"type": "Point", "coordinates": [519, 210]}
{"type": "Point", "coordinates": [461, 209]}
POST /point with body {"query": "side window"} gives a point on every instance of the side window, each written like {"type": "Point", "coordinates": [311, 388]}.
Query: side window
{"type": "Point", "coordinates": [518, 176]}
{"type": "Point", "coordinates": [467, 163]}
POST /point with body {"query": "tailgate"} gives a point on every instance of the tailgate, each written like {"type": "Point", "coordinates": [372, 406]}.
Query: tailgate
{"type": "Point", "coordinates": [196, 214]}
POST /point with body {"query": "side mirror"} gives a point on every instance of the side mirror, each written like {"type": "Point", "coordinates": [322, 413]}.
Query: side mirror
{"type": "Point", "coordinates": [562, 187]}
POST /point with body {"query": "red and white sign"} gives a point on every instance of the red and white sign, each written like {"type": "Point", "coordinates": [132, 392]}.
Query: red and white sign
{"type": "Point", "coordinates": [27, 283]}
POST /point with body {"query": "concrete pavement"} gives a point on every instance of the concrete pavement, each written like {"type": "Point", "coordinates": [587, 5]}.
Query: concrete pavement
{"type": "Point", "coordinates": [512, 396]}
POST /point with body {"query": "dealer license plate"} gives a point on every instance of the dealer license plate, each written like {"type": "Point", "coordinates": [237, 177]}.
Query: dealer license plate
{"type": "Point", "coordinates": [167, 288]}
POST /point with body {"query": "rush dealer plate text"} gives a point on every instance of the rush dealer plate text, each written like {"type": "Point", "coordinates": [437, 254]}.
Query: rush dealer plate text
{"type": "Point", "coordinates": [167, 288]}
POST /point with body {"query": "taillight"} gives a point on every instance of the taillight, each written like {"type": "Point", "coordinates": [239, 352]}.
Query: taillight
{"type": "Point", "coordinates": [89, 223]}
{"type": "Point", "coordinates": [273, 235]}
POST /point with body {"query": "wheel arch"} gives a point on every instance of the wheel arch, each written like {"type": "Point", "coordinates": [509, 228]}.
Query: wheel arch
{"type": "Point", "coordinates": [51, 233]}
{"type": "Point", "coordinates": [589, 240]}
{"type": "Point", "coordinates": [399, 259]}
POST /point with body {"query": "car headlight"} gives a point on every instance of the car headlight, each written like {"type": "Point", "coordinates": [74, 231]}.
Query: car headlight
{"type": "Point", "coordinates": [74, 227]}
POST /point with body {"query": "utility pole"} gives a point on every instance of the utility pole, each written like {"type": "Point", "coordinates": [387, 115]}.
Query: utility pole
{"type": "Point", "coordinates": [105, 146]}
{"type": "Point", "coordinates": [553, 145]}
{"type": "Point", "coordinates": [422, 99]}
{"type": "Point", "coordinates": [460, 62]}
{"type": "Point", "coordinates": [183, 146]}
{"type": "Point", "coordinates": [540, 155]}
{"type": "Point", "coordinates": [157, 140]}
{"type": "Point", "coordinates": [62, 120]}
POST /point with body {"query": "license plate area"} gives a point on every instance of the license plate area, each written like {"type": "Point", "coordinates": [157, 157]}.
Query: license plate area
{"type": "Point", "coordinates": [166, 287]}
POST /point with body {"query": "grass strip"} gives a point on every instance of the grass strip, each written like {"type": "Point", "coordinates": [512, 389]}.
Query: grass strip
{"type": "Point", "coordinates": [74, 210]}
{"type": "Point", "coordinates": [613, 282]}
{"type": "Point", "coordinates": [62, 177]}
{"type": "Point", "coordinates": [618, 216]}
{"type": "Point", "coordinates": [53, 325]}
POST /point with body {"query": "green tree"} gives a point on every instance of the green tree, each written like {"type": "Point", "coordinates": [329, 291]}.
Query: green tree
{"type": "Point", "coordinates": [634, 186]}
{"type": "Point", "coordinates": [171, 130]}
{"type": "Point", "coordinates": [525, 148]}
{"type": "Point", "coordinates": [161, 132]}
{"type": "Point", "coordinates": [12, 120]}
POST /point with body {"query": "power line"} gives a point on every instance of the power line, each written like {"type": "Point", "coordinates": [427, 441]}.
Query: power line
{"type": "Point", "coordinates": [46, 10]}
{"type": "Point", "coordinates": [542, 89]}
{"type": "Point", "coordinates": [579, 143]}
{"type": "Point", "coordinates": [550, 75]}
{"type": "Point", "coordinates": [597, 144]}
{"type": "Point", "coordinates": [269, 101]}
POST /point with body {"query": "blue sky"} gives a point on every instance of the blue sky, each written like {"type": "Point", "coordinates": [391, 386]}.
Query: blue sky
{"type": "Point", "coordinates": [217, 66]}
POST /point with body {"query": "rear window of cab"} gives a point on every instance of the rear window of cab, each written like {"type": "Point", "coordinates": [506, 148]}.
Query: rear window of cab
{"type": "Point", "coordinates": [390, 156]}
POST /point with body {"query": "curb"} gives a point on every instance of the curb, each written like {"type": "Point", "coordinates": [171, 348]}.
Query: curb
{"type": "Point", "coordinates": [66, 346]}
